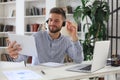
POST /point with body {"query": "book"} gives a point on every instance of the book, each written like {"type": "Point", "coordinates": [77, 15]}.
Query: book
{"type": "Point", "coordinates": [5, 0]}
{"type": "Point", "coordinates": [8, 28]}
{"type": "Point", "coordinates": [28, 12]}
{"type": "Point", "coordinates": [13, 13]}
{"type": "Point", "coordinates": [5, 41]}
{"type": "Point", "coordinates": [28, 28]}
{"type": "Point", "coordinates": [69, 9]}
{"type": "Point", "coordinates": [43, 11]}
{"type": "Point", "coordinates": [65, 9]}
{"type": "Point", "coordinates": [1, 41]}
{"type": "Point", "coordinates": [35, 27]}
{"type": "Point", "coordinates": [1, 27]}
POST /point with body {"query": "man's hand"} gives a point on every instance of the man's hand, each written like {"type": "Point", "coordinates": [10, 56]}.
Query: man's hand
{"type": "Point", "coordinates": [13, 49]}
{"type": "Point", "coordinates": [72, 29]}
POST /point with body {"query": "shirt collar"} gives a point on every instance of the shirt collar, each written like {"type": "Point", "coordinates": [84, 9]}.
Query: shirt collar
{"type": "Point", "coordinates": [49, 37]}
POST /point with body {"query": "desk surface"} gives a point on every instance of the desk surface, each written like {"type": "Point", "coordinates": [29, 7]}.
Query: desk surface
{"type": "Point", "coordinates": [60, 73]}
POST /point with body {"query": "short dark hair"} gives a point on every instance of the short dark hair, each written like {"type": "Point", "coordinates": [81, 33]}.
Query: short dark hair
{"type": "Point", "coordinates": [58, 10]}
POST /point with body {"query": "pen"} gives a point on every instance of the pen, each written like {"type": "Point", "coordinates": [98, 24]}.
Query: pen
{"type": "Point", "coordinates": [42, 72]}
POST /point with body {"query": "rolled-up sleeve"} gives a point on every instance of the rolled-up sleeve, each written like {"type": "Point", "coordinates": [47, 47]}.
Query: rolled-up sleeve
{"type": "Point", "coordinates": [75, 51]}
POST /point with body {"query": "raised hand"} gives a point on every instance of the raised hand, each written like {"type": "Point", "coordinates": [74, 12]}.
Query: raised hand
{"type": "Point", "coordinates": [72, 29]}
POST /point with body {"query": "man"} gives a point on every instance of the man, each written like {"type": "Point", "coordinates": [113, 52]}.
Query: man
{"type": "Point", "coordinates": [51, 45]}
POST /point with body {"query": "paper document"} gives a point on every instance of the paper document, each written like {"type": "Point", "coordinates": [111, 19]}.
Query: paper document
{"type": "Point", "coordinates": [4, 64]}
{"type": "Point", "coordinates": [27, 44]}
{"type": "Point", "coordinates": [22, 75]}
{"type": "Point", "coordinates": [52, 64]}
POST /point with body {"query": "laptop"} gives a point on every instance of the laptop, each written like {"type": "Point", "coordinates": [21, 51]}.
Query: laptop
{"type": "Point", "coordinates": [99, 61]}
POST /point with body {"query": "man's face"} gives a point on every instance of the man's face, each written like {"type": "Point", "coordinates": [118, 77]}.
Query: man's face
{"type": "Point", "coordinates": [55, 22]}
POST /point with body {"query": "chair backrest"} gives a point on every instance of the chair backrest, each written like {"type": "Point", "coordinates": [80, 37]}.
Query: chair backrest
{"type": "Point", "coordinates": [67, 59]}
{"type": "Point", "coordinates": [6, 57]}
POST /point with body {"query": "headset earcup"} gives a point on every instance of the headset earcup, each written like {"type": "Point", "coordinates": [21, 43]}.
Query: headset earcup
{"type": "Point", "coordinates": [47, 21]}
{"type": "Point", "coordinates": [63, 23]}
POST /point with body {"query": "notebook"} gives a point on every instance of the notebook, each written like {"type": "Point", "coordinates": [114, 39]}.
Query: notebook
{"type": "Point", "coordinates": [100, 55]}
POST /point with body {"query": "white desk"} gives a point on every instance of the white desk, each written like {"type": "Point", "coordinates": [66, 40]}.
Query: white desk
{"type": "Point", "coordinates": [60, 73]}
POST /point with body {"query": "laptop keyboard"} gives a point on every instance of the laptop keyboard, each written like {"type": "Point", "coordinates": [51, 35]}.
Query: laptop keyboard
{"type": "Point", "coordinates": [86, 68]}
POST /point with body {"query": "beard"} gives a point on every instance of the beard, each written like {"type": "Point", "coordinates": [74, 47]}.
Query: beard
{"type": "Point", "coordinates": [54, 29]}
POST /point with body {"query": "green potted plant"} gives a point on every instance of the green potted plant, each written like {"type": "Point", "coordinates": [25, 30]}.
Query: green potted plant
{"type": "Point", "coordinates": [95, 16]}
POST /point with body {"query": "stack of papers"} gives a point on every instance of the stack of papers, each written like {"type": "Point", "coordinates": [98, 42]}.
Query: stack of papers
{"type": "Point", "coordinates": [12, 65]}
{"type": "Point", "coordinates": [52, 64]}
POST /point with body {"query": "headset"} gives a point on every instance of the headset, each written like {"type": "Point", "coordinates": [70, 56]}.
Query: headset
{"type": "Point", "coordinates": [63, 24]}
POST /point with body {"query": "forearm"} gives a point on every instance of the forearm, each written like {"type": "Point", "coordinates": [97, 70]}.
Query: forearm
{"type": "Point", "coordinates": [78, 55]}
{"type": "Point", "coordinates": [76, 52]}
{"type": "Point", "coordinates": [75, 38]}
